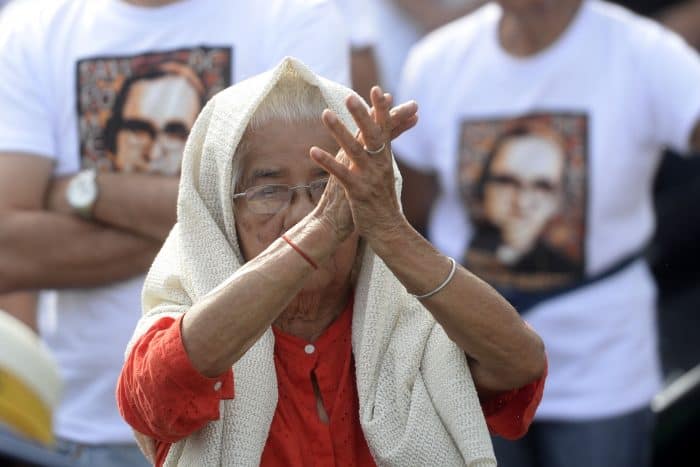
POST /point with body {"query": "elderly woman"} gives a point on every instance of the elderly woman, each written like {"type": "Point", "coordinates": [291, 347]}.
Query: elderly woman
{"type": "Point", "coordinates": [293, 317]}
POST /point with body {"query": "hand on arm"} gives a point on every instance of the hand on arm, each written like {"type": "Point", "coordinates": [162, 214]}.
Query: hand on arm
{"type": "Point", "coordinates": [504, 352]}
{"type": "Point", "coordinates": [142, 204]}
{"type": "Point", "coordinates": [41, 249]}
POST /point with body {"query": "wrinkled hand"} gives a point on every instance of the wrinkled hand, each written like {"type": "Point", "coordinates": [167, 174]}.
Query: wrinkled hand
{"type": "Point", "coordinates": [366, 179]}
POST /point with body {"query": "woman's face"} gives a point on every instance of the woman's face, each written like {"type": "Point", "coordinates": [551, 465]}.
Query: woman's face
{"type": "Point", "coordinates": [279, 154]}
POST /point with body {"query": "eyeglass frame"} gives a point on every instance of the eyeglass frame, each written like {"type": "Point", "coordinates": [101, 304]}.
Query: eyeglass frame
{"type": "Point", "coordinates": [290, 190]}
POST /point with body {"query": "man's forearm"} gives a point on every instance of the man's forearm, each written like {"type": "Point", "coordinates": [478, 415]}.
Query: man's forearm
{"type": "Point", "coordinates": [138, 203]}
{"type": "Point", "coordinates": [41, 250]}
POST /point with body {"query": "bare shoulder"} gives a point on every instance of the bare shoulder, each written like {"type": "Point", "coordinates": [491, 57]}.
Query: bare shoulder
{"type": "Point", "coordinates": [23, 180]}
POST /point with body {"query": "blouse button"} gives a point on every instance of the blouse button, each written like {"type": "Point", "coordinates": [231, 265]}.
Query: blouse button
{"type": "Point", "coordinates": [309, 349]}
{"type": "Point", "coordinates": [217, 385]}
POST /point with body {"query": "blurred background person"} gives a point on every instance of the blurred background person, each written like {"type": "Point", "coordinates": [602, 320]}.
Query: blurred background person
{"type": "Point", "coordinates": [616, 89]}
{"type": "Point", "coordinates": [672, 257]}
{"type": "Point", "coordinates": [88, 185]}
{"type": "Point", "coordinates": [677, 194]}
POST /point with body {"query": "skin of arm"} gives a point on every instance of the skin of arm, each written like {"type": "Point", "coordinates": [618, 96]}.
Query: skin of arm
{"type": "Point", "coordinates": [142, 204]}
{"type": "Point", "coordinates": [42, 249]}
{"type": "Point", "coordinates": [695, 138]}
{"type": "Point", "coordinates": [684, 19]}
{"type": "Point", "coordinates": [364, 70]}
{"type": "Point", "coordinates": [219, 329]}
{"type": "Point", "coordinates": [488, 313]}
{"type": "Point", "coordinates": [504, 352]}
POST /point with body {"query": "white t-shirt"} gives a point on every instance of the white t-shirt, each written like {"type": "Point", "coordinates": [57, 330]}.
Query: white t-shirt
{"type": "Point", "coordinates": [361, 22]}
{"type": "Point", "coordinates": [399, 32]}
{"type": "Point", "coordinates": [546, 165]}
{"type": "Point", "coordinates": [63, 68]}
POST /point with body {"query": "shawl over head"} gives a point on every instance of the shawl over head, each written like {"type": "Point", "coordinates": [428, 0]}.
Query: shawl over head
{"type": "Point", "coordinates": [418, 404]}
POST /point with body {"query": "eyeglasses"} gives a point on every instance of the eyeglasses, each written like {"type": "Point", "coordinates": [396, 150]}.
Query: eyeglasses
{"type": "Point", "coordinates": [271, 199]}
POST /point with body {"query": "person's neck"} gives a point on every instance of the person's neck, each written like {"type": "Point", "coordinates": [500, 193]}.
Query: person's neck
{"type": "Point", "coordinates": [528, 31]}
{"type": "Point", "coordinates": [310, 313]}
{"type": "Point", "coordinates": [150, 3]}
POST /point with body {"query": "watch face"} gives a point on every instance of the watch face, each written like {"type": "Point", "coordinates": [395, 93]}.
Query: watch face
{"type": "Point", "coordinates": [82, 190]}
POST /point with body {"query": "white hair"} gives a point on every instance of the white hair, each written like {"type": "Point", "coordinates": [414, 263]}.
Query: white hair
{"type": "Point", "coordinates": [291, 100]}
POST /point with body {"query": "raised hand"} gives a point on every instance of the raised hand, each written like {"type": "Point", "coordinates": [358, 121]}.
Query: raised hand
{"type": "Point", "coordinates": [363, 167]}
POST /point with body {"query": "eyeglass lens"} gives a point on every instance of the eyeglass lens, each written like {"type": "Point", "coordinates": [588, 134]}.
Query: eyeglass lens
{"type": "Point", "coordinates": [270, 199]}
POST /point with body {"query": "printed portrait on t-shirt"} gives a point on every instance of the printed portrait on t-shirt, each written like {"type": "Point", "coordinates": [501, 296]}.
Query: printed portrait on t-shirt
{"type": "Point", "coordinates": [523, 183]}
{"type": "Point", "coordinates": [135, 112]}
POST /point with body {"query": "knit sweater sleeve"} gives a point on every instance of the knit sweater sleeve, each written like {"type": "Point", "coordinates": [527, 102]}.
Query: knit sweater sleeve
{"type": "Point", "coordinates": [509, 415]}
{"type": "Point", "coordinates": [160, 393]}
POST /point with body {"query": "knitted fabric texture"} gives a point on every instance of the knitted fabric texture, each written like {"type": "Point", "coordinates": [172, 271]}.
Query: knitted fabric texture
{"type": "Point", "coordinates": [418, 404]}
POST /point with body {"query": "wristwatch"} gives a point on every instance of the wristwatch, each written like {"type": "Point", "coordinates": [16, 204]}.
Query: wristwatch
{"type": "Point", "coordinates": [82, 192]}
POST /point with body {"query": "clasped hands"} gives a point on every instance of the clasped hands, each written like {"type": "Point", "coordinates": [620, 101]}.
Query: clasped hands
{"type": "Point", "coordinates": [360, 194]}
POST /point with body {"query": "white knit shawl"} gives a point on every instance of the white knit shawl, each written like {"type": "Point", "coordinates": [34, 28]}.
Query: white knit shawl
{"type": "Point", "coordinates": [418, 404]}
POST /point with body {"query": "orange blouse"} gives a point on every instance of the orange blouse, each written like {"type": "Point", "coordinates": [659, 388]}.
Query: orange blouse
{"type": "Point", "coordinates": [161, 395]}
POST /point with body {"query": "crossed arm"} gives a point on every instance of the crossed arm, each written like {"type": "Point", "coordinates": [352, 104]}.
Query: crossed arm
{"type": "Point", "coordinates": [45, 248]}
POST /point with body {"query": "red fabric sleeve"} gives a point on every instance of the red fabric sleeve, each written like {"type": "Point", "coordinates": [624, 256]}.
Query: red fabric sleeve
{"type": "Point", "coordinates": [509, 415]}
{"type": "Point", "coordinates": [160, 393]}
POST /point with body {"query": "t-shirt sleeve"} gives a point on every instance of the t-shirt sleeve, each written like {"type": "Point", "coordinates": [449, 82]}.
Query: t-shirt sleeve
{"type": "Point", "coordinates": [509, 415]}
{"type": "Point", "coordinates": [415, 146]}
{"type": "Point", "coordinates": [160, 393]}
{"type": "Point", "coordinates": [314, 32]}
{"type": "Point", "coordinates": [671, 69]}
{"type": "Point", "coordinates": [26, 116]}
